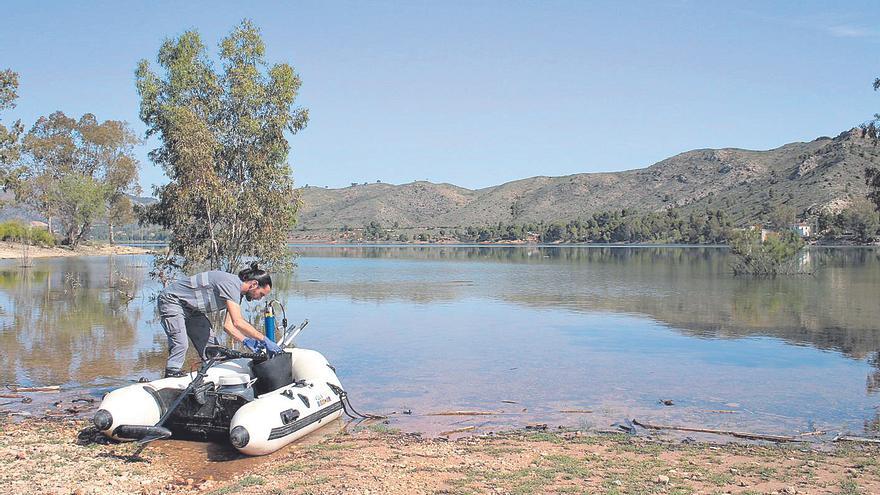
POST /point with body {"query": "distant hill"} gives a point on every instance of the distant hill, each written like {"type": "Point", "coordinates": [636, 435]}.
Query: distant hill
{"type": "Point", "coordinates": [821, 174]}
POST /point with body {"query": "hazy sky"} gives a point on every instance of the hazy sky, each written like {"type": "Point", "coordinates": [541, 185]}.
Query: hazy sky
{"type": "Point", "coordinates": [479, 93]}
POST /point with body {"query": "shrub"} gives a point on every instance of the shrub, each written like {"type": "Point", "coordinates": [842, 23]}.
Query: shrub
{"type": "Point", "coordinates": [17, 232]}
{"type": "Point", "coordinates": [42, 237]}
{"type": "Point", "coordinates": [776, 255]}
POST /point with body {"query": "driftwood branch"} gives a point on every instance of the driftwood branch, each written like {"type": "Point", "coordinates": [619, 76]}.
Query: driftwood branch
{"type": "Point", "coordinates": [51, 388]}
{"type": "Point", "coordinates": [812, 433]}
{"type": "Point", "coordinates": [738, 434]}
{"type": "Point", "coordinates": [851, 438]}
{"type": "Point", "coordinates": [458, 430]}
{"type": "Point", "coordinates": [462, 413]}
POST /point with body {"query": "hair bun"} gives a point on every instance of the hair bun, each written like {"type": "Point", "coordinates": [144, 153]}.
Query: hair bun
{"type": "Point", "coordinates": [255, 266]}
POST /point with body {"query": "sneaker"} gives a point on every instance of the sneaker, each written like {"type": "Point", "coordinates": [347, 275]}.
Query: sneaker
{"type": "Point", "coordinates": [173, 373]}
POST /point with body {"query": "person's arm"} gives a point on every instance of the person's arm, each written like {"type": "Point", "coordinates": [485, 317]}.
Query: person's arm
{"type": "Point", "coordinates": [229, 327]}
{"type": "Point", "coordinates": [237, 326]}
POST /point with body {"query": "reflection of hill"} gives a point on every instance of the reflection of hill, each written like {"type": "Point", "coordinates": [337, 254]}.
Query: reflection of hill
{"type": "Point", "coordinates": [689, 289]}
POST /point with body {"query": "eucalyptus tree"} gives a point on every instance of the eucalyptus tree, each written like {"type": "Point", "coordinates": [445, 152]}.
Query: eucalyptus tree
{"type": "Point", "coordinates": [9, 136]}
{"type": "Point", "coordinates": [223, 147]}
{"type": "Point", "coordinates": [74, 169]}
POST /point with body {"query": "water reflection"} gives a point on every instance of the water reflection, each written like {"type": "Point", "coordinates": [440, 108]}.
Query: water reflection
{"type": "Point", "coordinates": [69, 321]}
{"type": "Point", "coordinates": [689, 289]}
{"type": "Point", "coordinates": [432, 328]}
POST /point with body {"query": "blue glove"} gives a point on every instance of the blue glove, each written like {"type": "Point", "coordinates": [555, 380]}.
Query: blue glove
{"type": "Point", "coordinates": [272, 348]}
{"type": "Point", "coordinates": [253, 344]}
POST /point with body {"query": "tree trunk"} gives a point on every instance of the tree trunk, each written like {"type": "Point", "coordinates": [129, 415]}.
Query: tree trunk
{"type": "Point", "coordinates": [75, 237]}
{"type": "Point", "coordinates": [112, 240]}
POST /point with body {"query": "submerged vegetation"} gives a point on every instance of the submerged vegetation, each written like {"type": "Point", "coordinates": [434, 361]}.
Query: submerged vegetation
{"type": "Point", "coordinates": [774, 255]}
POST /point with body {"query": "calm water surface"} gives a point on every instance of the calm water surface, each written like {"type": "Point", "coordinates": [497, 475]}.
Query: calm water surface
{"type": "Point", "coordinates": [611, 330]}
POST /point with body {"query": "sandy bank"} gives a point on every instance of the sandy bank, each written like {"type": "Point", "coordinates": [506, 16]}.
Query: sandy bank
{"type": "Point", "coordinates": [66, 456]}
{"type": "Point", "coordinates": [11, 250]}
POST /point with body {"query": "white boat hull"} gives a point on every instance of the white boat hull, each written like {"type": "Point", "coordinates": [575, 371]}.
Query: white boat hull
{"type": "Point", "coordinates": [259, 426]}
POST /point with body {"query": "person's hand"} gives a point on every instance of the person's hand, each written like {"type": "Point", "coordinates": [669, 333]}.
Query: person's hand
{"type": "Point", "coordinates": [272, 348]}
{"type": "Point", "coordinates": [253, 344]}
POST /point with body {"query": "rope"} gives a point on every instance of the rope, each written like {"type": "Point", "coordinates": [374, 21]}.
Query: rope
{"type": "Point", "coordinates": [349, 410]}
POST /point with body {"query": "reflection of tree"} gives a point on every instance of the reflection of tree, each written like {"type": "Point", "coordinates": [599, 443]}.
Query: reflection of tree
{"type": "Point", "coordinates": [690, 289]}
{"type": "Point", "coordinates": [58, 331]}
{"type": "Point", "coordinates": [872, 426]}
{"type": "Point", "coordinates": [873, 382]}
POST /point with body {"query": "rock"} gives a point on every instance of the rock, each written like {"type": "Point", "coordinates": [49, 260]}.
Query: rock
{"type": "Point", "coordinates": [663, 479]}
{"type": "Point", "coordinates": [789, 489]}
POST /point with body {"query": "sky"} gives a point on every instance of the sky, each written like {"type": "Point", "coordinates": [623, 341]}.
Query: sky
{"type": "Point", "coordinates": [479, 93]}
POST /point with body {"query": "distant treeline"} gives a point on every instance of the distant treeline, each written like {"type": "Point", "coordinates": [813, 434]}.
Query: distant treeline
{"type": "Point", "coordinates": [672, 226]}
{"type": "Point", "coordinates": [615, 226]}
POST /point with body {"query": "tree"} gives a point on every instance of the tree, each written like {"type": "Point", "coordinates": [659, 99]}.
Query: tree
{"type": "Point", "coordinates": [76, 169]}
{"type": "Point", "coordinates": [859, 219]}
{"type": "Point", "coordinates": [120, 211]}
{"type": "Point", "coordinates": [9, 137]}
{"type": "Point", "coordinates": [781, 217]}
{"type": "Point", "coordinates": [872, 174]}
{"type": "Point", "coordinates": [774, 256]}
{"type": "Point", "coordinates": [223, 148]}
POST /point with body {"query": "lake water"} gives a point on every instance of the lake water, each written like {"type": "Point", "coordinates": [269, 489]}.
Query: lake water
{"type": "Point", "coordinates": [525, 332]}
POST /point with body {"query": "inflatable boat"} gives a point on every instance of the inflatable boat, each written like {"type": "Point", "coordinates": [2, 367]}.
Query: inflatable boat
{"type": "Point", "coordinates": [259, 403]}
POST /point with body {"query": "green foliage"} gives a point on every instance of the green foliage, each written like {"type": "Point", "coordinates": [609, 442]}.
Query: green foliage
{"type": "Point", "coordinates": [710, 227]}
{"type": "Point", "coordinates": [9, 137]}
{"type": "Point", "coordinates": [859, 223]}
{"type": "Point", "coordinates": [18, 232]}
{"type": "Point", "coordinates": [120, 211]}
{"type": "Point", "coordinates": [872, 174]}
{"type": "Point", "coordinates": [872, 180]}
{"type": "Point", "coordinates": [75, 169]}
{"type": "Point", "coordinates": [223, 148]}
{"type": "Point", "coordinates": [41, 237]}
{"type": "Point", "coordinates": [80, 201]}
{"type": "Point", "coordinates": [373, 231]}
{"type": "Point", "coordinates": [774, 256]}
{"type": "Point", "coordinates": [781, 216]}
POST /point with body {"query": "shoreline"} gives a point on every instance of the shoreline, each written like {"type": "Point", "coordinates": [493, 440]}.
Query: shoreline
{"type": "Point", "coordinates": [331, 241]}
{"type": "Point", "coordinates": [12, 250]}
{"type": "Point", "coordinates": [68, 456]}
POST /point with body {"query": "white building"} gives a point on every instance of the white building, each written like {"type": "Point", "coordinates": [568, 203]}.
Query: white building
{"type": "Point", "coordinates": [802, 229]}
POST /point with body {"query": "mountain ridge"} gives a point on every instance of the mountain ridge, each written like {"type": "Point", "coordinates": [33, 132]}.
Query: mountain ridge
{"type": "Point", "coordinates": [822, 174]}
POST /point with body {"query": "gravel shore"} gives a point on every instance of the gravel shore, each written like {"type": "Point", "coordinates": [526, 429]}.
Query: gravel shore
{"type": "Point", "coordinates": [66, 456]}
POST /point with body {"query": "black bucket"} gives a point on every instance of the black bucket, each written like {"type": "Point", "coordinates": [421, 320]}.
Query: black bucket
{"type": "Point", "coordinates": [273, 373]}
